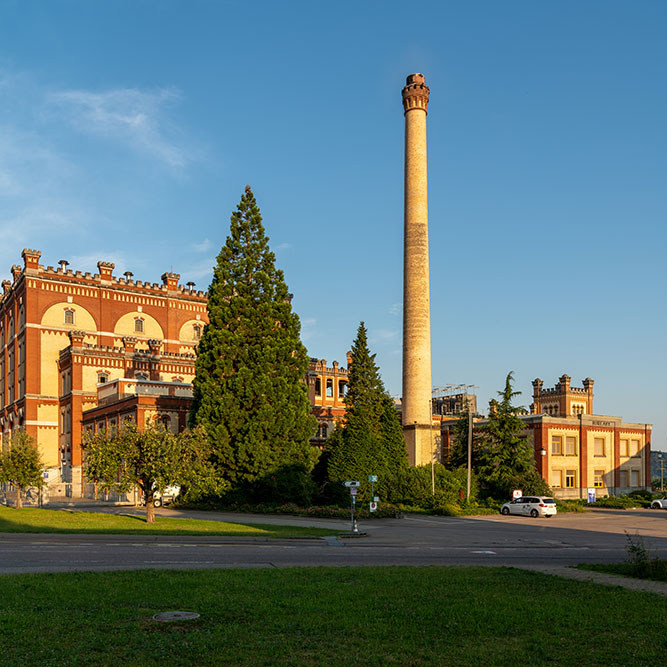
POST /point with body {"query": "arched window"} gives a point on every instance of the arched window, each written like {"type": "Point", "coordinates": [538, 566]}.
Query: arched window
{"type": "Point", "coordinates": [196, 332]}
{"type": "Point", "coordinates": [138, 325]}
{"type": "Point", "coordinates": [140, 376]}
{"type": "Point", "coordinates": [102, 377]}
{"type": "Point", "coordinates": [322, 431]}
{"type": "Point", "coordinates": [69, 316]}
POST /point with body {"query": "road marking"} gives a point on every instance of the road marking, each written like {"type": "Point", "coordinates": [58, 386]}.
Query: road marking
{"type": "Point", "coordinates": [493, 553]}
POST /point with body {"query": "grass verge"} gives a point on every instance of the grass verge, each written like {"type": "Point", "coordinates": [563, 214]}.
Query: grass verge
{"type": "Point", "coordinates": [655, 570]}
{"type": "Point", "coordinates": [64, 521]}
{"type": "Point", "coordinates": [327, 616]}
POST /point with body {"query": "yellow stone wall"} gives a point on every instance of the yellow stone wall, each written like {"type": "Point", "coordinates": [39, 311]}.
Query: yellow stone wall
{"type": "Point", "coordinates": [55, 317]}
{"type": "Point", "coordinates": [605, 462]}
{"type": "Point", "coordinates": [187, 334]}
{"type": "Point", "coordinates": [47, 443]}
{"type": "Point", "coordinates": [125, 327]}
{"type": "Point", "coordinates": [51, 342]}
{"type": "Point", "coordinates": [89, 373]}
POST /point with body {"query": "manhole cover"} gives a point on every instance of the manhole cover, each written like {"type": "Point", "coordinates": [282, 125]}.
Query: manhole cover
{"type": "Point", "coordinates": [169, 616]}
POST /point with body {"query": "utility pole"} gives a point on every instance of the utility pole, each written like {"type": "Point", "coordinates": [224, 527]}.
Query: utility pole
{"type": "Point", "coordinates": [469, 448]}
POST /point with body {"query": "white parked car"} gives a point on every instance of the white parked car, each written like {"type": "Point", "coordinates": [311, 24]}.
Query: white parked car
{"type": "Point", "coordinates": [530, 506]}
{"type": "Point", "coordinates": [659, 504]}
{"type": "Point", "coordinates": [169, 495]}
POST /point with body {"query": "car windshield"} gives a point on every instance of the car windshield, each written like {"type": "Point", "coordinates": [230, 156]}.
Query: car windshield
{"type": "Point", "coordinates": [549, 501]}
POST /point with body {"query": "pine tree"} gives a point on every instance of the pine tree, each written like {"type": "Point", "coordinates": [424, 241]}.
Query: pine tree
{"type": "Point", "coordinates": [370, 441]}
{"type": "Point", "coordinates": [249, 389]}
{"type": "Point", "coordinates": [507, 460]}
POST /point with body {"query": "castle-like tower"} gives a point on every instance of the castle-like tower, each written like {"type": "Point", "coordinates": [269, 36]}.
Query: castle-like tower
{"type": "Point", "coordinates": [416, 402]}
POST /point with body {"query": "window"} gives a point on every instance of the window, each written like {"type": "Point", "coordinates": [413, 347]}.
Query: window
{"type": "Point", "coordinates": [557, 445]}
{"type": "Point", "coordinates": [102, 377]}
{"type": "Point", "coordinates": [570, 446]}
{"type": "Point", "coordinates": [598, 447]}
{"type": "Point", "coordinates": [329, 387]}
{"type": "Point", "coordinates": [598, 478]}
{"type": "Point", "coordinates": [623, 447]}
{"type": "Point", "coordinates": [556, 479]}
{"type": "Point", "coordinates": [69, 316]}
{"type": "Point", "coordinates": [634, 447]}
{"type": "Point", "coordinates": [342, 387]}
{"type": "Point", "coordinates": [623, 478]}
{"type": "Point", "coordinates": [138, 325]}
{"type": "Point", "coordinates": [196, 332]}
{"type": "Point", "coordinates": [322, 432]}
{"type": "Point", "coordinates": [318, 387]}
{"type": "Point", "coordinates": [570, 479]}
{"type": "Point", "coordinates": [140, 376]}
{"type": "Point", "coordinates": [634, 477]}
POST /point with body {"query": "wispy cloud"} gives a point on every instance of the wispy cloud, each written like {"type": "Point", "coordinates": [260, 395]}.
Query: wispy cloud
{"type": "Point", "coordinates": [386, 334]}
{"type": "Point", "coordinates": [202, 247]}
{"type": "Point", "coordinates": [283, 246]}
{"type": "Point", "coordinates": [308, 328]}
{"type": "Point", "coordinates": [45, 189]}
{"type": "Point", "coordinates": [201, 270]}
{"type": "Point", "coordinates": [135, 117]}
{"type": "Point", "coordinates": [395, 308]}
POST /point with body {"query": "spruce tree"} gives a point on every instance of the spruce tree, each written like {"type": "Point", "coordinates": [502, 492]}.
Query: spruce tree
{"type": "Point", "coordinates": [507, 460]}
{"type": "Point", "coordinates": [249, 389]}
{"type": "Point", "coordinates": [370, 440]}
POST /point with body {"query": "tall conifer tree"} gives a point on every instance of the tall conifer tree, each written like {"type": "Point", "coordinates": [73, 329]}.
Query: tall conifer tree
{"type": "Point", "coordinates": [249, 389]}
{"type": "Point", "coordinates": [370, 441]}
{"type": "Point", "coordinates": [506, 457]}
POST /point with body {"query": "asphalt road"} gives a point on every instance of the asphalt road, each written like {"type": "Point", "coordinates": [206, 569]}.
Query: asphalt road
{"type": "Point", "coordinates": [567, 539]}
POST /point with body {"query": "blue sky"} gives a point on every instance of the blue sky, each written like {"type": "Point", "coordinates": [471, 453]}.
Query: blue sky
{"type": "Point", "coordinates": [128, 130]}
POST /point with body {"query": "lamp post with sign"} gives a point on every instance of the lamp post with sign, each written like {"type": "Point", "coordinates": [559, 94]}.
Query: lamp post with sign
{"type": "Point", "coordinates": [353, 485]}
{"type": "Point", "coordinates": [374, 499]}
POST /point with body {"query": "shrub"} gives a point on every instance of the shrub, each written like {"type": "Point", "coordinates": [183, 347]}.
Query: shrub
{"type": "Point", "coordinates": [414, 486]}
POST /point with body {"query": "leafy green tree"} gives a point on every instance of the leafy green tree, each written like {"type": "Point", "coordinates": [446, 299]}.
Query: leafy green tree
{"type": "Point", "coordinates": [249, 389]}
{"type": "Point", "coordinates": [370, 439]}
{"type": "Point", "coordinates": [151, 459]}
{"type": "Point", "coordinates": [21, 464]}
{"type": "Point", "coordinates": [507, 459]}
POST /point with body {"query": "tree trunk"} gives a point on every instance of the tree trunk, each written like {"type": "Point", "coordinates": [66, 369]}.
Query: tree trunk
{"type": "Point", "coordinates": [19, 503]}
{"type": "Point", "coordinates": [150, 509]}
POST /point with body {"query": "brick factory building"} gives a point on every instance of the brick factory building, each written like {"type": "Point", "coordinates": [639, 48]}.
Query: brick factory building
{"type": "Point", "coordinates": [65, 332]}
{"type": "Point", "coordinates": [95, 348]}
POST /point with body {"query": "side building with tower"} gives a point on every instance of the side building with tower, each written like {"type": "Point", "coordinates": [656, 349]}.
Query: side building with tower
{"type": "Point", "coordinates": [576, 449]}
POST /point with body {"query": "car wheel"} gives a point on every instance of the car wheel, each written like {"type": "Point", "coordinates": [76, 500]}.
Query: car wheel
{"type": "Point", "coordinates": [157, 503]}
{"type": "Point", "coordinates": [534, 513]}
{"type": "Point", "coordinates": [505, 511]}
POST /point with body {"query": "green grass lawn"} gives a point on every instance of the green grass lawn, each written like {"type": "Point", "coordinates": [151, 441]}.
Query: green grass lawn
{"type": "Point", "coordinates": [63, 521]}
{"type": "Point", "coordinates": [327, 616]}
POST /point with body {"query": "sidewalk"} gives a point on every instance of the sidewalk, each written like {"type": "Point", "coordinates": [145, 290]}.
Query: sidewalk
{"type": "Point", "coordinates": [643, 585]}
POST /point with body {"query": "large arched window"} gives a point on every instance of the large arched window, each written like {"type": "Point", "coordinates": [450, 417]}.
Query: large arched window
{"type": "Point", "coordinates": [139, 325]}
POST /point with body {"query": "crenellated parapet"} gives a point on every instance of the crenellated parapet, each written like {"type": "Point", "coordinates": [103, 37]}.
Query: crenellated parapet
{"type": "Point", "coordinates": [169, 287]}
{"type": "Point", "coordinates": [415, 93]}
